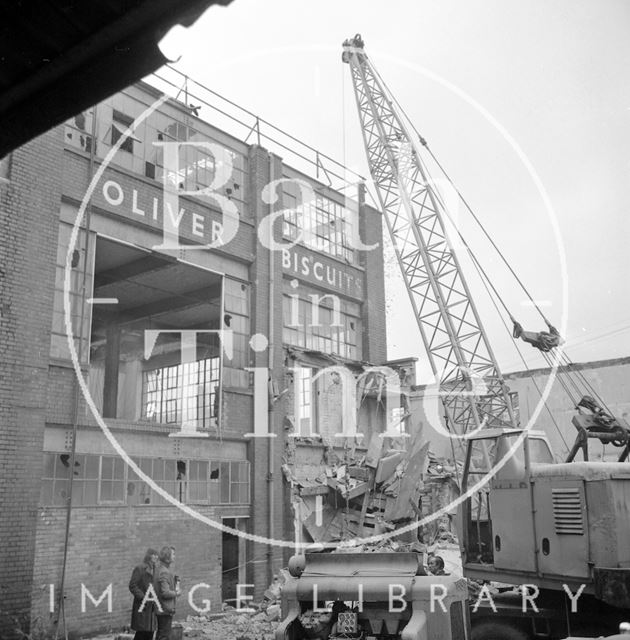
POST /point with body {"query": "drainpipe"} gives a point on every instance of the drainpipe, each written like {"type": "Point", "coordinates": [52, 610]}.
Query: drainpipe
{"type": "Point", "coordinates": [75, 421]}
{"type": "Point", "coordinates": [270, 440]}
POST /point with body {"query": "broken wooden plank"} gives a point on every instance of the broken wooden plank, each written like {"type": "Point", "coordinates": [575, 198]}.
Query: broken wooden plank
{"type": "Point", "coordinates": [314, 490]}
{"type": "Point", "coordinates": [375, 449]}
{"type": "Point", "coordinates": [348, 492]}
{"type": "Point", "coordinates": [387, 465]}
{"type": "Point", "coordinates": [359, 473]}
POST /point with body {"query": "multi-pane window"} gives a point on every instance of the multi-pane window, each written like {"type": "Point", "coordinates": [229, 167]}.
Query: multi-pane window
{"type": "Point", "coordinates": [139, 491]}
{"type": "Point", "coordinates": [223, 167]}
{"type": "Point", "coordinates": [236, 320]}
{"type": "Point", "coordinates": [56, 479]}
{"type": "Point", "coordinates": [184, 394]}
{"type": "Point", "coordinates": [79, 312]}
{"type": "Point", "coordinates": [197, 165]}
{"type": "Point", "coordinates": [106, 480]}
{"type": "Point", "coordinates": [78, 131]}
{"type": "Point", "coordinates": [333, 331]}
{"type": "Point", "coordinates": [229, 482]}
{"type": "Point", "coordinates": [198, 485]}
{"type": "Point", "coordinates": [165, 474]}
{"type": "Point", "coordinates": [305, 401]}
{"type": "Point", "coordinates": [239, 482]}
{"type": "Point", "coordinates": [322, 224]}
{"type": "Point", "coordinates": [112, 479]}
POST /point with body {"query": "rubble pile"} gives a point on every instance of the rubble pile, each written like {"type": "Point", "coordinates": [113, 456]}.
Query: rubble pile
{"type": "Point", "coordinates": [359, 494]}
{"type": "Point", "coordinates": [257, 622]}
{"type": "Point", "coordinates": [441, 487]}
{"type": "Point", "coordinates": [231, 625]}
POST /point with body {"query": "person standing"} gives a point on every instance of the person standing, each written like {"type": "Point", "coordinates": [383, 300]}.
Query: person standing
{"type": "Point", "coordinates": [143, 620]}
{"type": "Point", "coordinates": [167, 588]}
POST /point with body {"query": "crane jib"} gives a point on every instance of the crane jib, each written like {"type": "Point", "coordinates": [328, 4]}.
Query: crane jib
{"type": "Point", "coordinates": [473, 391]}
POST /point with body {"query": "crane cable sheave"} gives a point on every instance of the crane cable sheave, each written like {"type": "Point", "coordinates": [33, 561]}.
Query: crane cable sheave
{"type": "Point", "coordinates": [453, 336]}
{"type": "Point", "coordinates": [353, 45]}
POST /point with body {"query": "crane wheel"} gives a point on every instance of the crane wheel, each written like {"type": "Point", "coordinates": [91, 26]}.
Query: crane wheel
{"type": "Point", "coordinates": [497, 631]}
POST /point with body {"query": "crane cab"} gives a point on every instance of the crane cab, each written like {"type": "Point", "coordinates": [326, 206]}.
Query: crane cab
{"type": "Point", "coordinates": [530, 523]}
{"type": "Point", "coordinates": [506, 456]}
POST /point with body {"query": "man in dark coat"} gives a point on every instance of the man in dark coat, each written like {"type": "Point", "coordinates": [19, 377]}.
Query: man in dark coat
{"type": "Point", "coordinates": [143, 620]}
{"type": "Point", "coordinates": [167, 587]}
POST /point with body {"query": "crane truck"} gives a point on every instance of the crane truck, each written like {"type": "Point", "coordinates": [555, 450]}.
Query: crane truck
{"type": "Point", "coordinates": [554, 536]}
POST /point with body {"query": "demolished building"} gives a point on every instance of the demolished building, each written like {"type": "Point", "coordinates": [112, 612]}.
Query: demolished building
{"type": "Point", "coordinates": [304, 320]}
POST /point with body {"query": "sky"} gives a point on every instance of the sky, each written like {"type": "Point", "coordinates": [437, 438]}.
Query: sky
{"type": "Point", "coordinates": [525, 104]}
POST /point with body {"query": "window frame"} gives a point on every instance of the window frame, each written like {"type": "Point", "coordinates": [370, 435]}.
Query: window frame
{"type": "Point", "coordinates": [120, 119]}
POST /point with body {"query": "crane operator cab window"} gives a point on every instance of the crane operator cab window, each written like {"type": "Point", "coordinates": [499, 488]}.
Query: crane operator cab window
{"type": "Point", "coordinates": [508, 460]}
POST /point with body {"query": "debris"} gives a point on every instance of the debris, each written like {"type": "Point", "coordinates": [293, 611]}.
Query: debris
{"type": "Point", "coordinates": [316, 624]}
{"type": "Point", "coordinates": [232, 626]}
{"type": "Point", "coordinates": [273, 612]}
{"type": "Point", "coordinates": [387, 465]}
{"type": "Point", "coordinates": [349, 488]}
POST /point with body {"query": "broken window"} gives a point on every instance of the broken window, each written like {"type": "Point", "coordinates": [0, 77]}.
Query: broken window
{"type": "Point", "coordinates": [78, 131]}
{"type": "Point", "coordinates": [165, 475]}
{"type": "Point", "coordinates": [56, 479]}
{"type": "Point", "coordinates": [120, 123]}
{"type": "Point", "coordinates": [105, 480]}
{"type": "Point", "coordinates": [229, 482]}
{"type": "Point", "coordinates": [336, 332]}
{"type": "Point", "coordinates": [236, 320]}
{"type": "Point", "coordinates": [199, 167]}
{"type": "Point", "coordinates": [155, 350]}
{"type": "Point", "coordinates": [322, 224]}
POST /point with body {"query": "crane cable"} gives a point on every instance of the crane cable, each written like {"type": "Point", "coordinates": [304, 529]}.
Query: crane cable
{"type": "Point", "coordinates": [485, 283]}
{"type": "Point", "coordinates": [484, 276]}
{"type": "Point", "coordinates": [489, 238]}
{"type": "Point", "coordinates": [563, 356]}
{"type": "Point", "coordinates": [485, 279]}
{"type": "Point", "coordinates": [564, 359]}
{"type": "Point", "coordinates": [424, 143]}
{"type": "Point", "coordinates": [587, 385]}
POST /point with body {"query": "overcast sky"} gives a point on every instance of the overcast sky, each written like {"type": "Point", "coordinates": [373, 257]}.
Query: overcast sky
{"type": "Point", "coordinates": [554, 75]}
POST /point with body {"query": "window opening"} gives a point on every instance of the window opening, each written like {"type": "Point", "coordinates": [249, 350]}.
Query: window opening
{"type": "Point", "coordinates": [154, 293]}
{"type": "Point", "coordinates": [120, 123]}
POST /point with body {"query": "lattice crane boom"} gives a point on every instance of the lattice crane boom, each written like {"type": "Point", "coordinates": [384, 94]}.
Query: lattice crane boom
{"type": "Point", "coordinates": [472, 389]}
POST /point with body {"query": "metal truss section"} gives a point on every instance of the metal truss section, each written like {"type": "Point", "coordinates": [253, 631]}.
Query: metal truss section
{"type": "Point", "coordinates": [472, 389]}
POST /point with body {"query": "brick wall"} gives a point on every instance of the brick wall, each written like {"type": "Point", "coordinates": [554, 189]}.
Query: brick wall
{"type": "Point", "coordinates": [28, 223]}
{"type": "Point", "coordinates": [374, 323]}
{"type": "Point", "coordinates": [106, 543]}
{"type": "Point", "coordinates": [75, 180]}
{"type": "Point", "coordinates": [266, 482]}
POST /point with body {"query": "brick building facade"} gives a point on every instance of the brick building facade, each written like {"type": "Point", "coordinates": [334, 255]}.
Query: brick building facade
{"type": "Point", "coordinates": [260, 325]}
